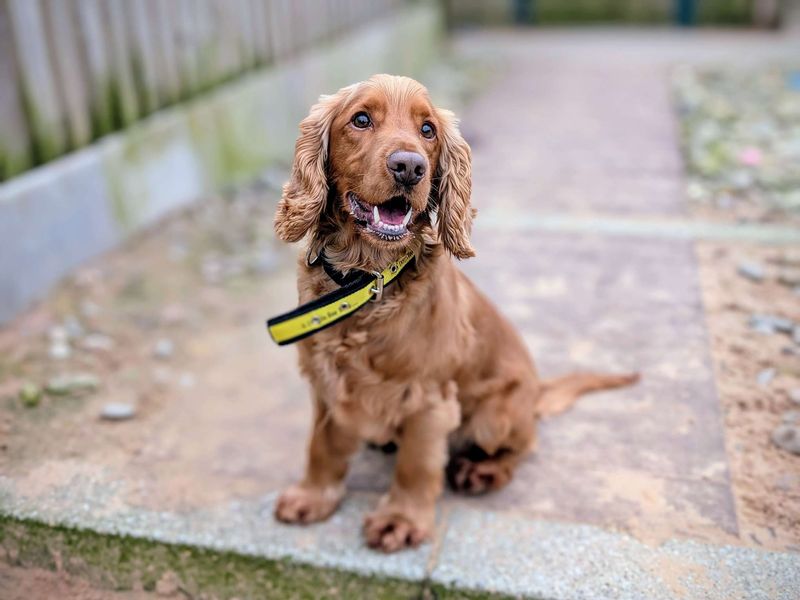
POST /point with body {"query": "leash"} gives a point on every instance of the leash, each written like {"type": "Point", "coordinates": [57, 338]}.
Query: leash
{"type": "Point", "coordinates": [327, 310]}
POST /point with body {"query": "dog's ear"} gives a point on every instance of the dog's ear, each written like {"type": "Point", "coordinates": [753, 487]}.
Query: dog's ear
{"type": "Point", "coordinates": [454, 185]}
{"type": "Point", "coordinates": [306, 192]}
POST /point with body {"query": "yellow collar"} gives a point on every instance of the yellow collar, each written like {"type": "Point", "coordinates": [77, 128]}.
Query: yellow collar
{"type": "Point", "coordinates": [331, 308]}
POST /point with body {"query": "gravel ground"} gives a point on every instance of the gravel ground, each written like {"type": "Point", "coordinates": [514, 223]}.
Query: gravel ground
{"type": "Point", "coordinates": [741, 141]}
{"type": "Point", "coordinates": [758, 374]}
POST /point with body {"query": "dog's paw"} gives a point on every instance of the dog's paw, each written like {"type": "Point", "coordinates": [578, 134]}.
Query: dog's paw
{"type": "Point", "coordinates": [477, 477]}
{"type": "Point", "coordinates": [299, 504]}
{"type": "Point", "coordinates": [389, 530]}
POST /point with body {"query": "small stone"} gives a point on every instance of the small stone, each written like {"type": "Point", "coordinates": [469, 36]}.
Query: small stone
{"type": "Point", "coordinates": [794, 395]}
{"type": "Point", "coordinates": [771, 324]}
{"type": "Point", "coordinates": [89, 309]}
{"type": "Point", "coordinates": [164, 348]}
{"type": "Point", "coordinates": [186, 380]}
{"type": "Point", "coordinates": [118, 411]}
{"type": "Point", "coordinates": [796, 335]}
{"type": "Point", "coordinates": [65, 385]}
{"type": "Point", "coordinates": [58, 334]}
{"type": "Point", "coordinates": [212, 270]}
{"type": "Point", "coordinates": [60, 350]}
{"type": "Point", "coordinates": [765, 377]}
{"type": "Point", "coordinates": [791, 417]}
{"type": "Point", "coordinates": [97, 342]}
{"type": "Point", "coordinates": [30, 394]}
{"type": "Point", "coordinates": [789, 277]}
{"type": "Point", "coordinates": [787, 437]}
{"type": "Point", "coordinates": [751, 270]}
{"type": "Point", "coordinates": [73, 327]}
{"type": "Point", "coordinates": [168, 585]}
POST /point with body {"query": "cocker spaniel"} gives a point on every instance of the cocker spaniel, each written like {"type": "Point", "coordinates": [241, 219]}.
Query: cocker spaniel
{"type": "Point", "coordinates": [379, 172]}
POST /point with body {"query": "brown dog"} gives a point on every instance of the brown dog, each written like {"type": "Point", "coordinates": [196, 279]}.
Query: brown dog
{"type": "Point", "coordinates": [432, 366]}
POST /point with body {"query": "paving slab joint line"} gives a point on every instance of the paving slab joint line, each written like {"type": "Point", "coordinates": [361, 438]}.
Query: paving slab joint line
{"type": "Point", "coordinates": [681, 229]}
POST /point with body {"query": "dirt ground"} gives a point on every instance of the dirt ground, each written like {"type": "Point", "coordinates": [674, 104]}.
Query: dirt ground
{"type": "Point", "coordinates": [766, 479]}
{"type": "Point", "coordinates": [17, 583]}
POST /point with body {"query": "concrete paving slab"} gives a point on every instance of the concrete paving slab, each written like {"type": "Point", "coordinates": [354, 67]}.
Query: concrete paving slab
{"type": "Point", "coordinates": [647, 457]}
{"type": "Point", "coordinates": [536, 559]}
{"type": "Point", "coordinates": [91, 502]}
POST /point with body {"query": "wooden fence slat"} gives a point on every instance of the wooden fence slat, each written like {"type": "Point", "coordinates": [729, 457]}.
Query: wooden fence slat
{"type": "Point", "coordinates": [161, 26]}
{"type": "Point", "coordinates": [14, 141]}
{"type": "Point", "coordinates": [258, 12]}
{"type": "Point", "coordinates": [122, 82]}
{"type": "Point", "coordinates": [144, 56]}
{"type": "Point", "coordinates": [187, 42]}
{"type": "Point", "coordinates": [96, 55]}
{"type": "Point", "coordinates": [73, 70]}
{"type": "Point", "coordinates": [62, 30]}
{"type": "Point", "coordinates": [245, 34]}
{"type": "Point", "coordinates": [279, 27]}
{"type": "Point", "coordinates": [46, 119]}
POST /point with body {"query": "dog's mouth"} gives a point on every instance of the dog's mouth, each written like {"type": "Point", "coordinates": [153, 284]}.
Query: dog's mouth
{"type": "Point", "coordinates": [388, 220]}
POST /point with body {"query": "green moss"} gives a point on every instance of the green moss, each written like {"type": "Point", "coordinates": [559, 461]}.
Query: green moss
{"type": "Point", "coordinates": [121, 562]}
{"type": "Point", "coordinates": [46, 144]}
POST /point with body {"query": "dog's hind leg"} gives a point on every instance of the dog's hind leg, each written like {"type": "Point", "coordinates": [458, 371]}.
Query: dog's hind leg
{"type": "Point", "coordinates": [493, 440]}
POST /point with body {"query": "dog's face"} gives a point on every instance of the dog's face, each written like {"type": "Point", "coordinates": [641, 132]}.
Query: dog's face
{"type": "Point", "coordinates": [383, 153]}
{"type": "Point", "coordinates": [373, 161]}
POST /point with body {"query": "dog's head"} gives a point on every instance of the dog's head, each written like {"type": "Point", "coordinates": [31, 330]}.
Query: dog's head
{"type": "Point", "coordinates": [372, 162]}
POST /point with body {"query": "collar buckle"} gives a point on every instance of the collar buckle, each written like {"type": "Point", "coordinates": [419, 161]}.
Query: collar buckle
{"type": "Point", "coordinates": [378, 289]}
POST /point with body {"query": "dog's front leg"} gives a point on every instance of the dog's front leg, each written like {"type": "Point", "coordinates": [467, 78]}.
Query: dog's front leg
{"type": "Point", "coordinates": [318, 495]}
{"type": "Point", "coordinates": [405, 516]}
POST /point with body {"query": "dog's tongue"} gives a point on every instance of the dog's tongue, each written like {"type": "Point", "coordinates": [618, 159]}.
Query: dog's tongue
{"type": "Point", "coordinates": [392, 212]}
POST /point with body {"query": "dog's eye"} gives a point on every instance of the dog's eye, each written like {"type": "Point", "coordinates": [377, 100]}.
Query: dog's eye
{"type": "Point", "coordinates": [361, 120]}
{"type": "Point", "coordinates": [427, 130]}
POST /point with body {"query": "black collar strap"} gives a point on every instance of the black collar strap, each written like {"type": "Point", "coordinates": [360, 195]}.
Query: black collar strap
{"type": "Point", "coordinates": [331, 308]}
{"type": "Point", "coordinates": [339, 277]}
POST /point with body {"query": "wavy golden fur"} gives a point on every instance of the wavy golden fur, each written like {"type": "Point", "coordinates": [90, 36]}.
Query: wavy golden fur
{"type": "Point", "coordinates": [433, 366]}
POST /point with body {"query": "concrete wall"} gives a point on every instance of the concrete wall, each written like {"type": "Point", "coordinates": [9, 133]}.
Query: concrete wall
{"type": "Point", "coordinates": [57, 216]}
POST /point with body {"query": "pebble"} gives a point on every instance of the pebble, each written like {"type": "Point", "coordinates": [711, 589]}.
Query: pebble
{"type": "Point", "coordinates": [97, 342]}
{"type": "Point", "coordinates": [796, 335]}
{"type": "Point", "coordinates": [118, 411]}
{"type": "Point", "coordinates": [789, 277]}
{"type": "Point", "coordinates": [64, 385]}
{"type": "Point", "coordinates": [794, 395]}
{"type": "Point", "coordinates": [57, 333]}
{"type": "Point", "coordinates": [787, 437]}
{"type": "Point", "coordinates": [168, 585]}
{"type": "Point", "coordinates": [30, 394]}
{"type": "Point", "coordinates": [73, 327]}
{"type": "Point", "coordinates": [791, 416]}
{"type": "Point", "coordinates": [765, 377]}
{"type": "Point", "coordinates": [89, 309]}
{"type": "Point", "coordinates": [60, 350]}
{"type": "Point", "coordinates": [186, 380]}
{"type": "Point", "coordinates": [751, 270]}
{"type": "Point", "coordinates": [771, 324]}
{"type": "Point", "coordinates": [164, 348]}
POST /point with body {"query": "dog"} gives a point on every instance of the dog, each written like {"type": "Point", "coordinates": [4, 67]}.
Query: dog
{"type": "Point", "coordinates": [432, 366]}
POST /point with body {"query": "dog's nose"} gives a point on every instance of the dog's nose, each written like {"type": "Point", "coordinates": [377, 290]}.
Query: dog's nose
{"type": "Point", "coordinates": [408, 168]}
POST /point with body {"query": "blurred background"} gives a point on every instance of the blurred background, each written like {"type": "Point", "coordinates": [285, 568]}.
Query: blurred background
{"type": "Point", "coordinates": [636, 166]}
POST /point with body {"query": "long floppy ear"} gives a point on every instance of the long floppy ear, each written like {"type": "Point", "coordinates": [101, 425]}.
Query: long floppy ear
{"type": "Point", "coordinates": [306, 192]}
{"type": "Point", "coordinates": [454, 182]}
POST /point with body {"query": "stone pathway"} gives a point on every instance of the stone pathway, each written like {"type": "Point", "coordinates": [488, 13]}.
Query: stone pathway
{"type": "Point", "coordinates": [629, 494]}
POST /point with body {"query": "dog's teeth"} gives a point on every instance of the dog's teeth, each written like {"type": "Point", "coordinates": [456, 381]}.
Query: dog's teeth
{"type": "Point", "coordinates": [376, 214]}
{"type": "Point", "coordinates": [407, 218]}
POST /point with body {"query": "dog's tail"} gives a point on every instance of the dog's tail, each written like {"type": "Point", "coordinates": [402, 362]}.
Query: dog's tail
{"type": "Point", "coordinates": [561, 393]}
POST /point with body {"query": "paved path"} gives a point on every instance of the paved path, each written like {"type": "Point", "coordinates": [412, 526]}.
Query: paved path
{"type": "Point", "coordinates": [628, 495]}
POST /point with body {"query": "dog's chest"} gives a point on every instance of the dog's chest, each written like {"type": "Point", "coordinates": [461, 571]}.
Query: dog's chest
{"type": "Point", "coordinates": [359, 370]}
